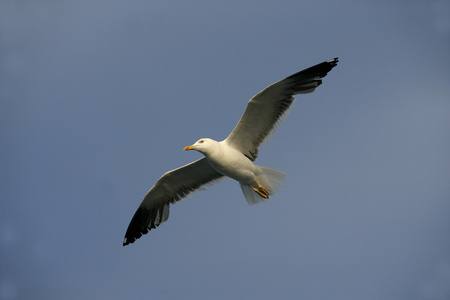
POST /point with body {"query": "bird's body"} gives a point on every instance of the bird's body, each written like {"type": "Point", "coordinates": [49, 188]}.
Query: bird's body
{"type": "Point", "coordinates": [227, 161]}
{"type": "Point", "coordinates": [230, 162]}
{"type": "Point", "coordinates": [232, 157]}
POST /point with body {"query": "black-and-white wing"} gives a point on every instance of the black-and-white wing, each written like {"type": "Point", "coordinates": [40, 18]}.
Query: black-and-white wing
{"type": "Point", "coordinates": [267, 107]}
{"type": "Point", "coordinates": [170, 188]}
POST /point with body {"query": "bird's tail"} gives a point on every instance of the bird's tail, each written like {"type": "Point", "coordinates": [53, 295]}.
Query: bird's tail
{"type": "Point", "coordinates": [270, 179]}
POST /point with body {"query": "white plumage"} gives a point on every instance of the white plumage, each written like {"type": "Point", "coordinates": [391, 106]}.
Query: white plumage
{"type": "Point", "coordinates": [232, 157]}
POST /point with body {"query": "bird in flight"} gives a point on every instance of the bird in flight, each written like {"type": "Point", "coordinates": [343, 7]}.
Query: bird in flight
{"type": "Point", "coordinates": [233, 157]}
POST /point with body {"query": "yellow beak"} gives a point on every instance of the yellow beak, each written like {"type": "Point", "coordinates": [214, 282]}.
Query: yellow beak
{"type": "Point", "coordinates": [189, 147]}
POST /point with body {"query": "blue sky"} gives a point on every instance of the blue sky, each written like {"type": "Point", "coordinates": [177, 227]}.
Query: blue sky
{"type": "Point", "coordinates": [98, 98]}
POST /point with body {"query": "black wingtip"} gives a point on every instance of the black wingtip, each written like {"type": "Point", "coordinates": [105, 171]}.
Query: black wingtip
{"type": "Point", "coordinates": [333, 62]}
{"type": "Point", "coordinates": [325, 67]}
{"type": "Point", "coordinates": [137, 227]}
{"type": "Point", "coordinates": [130, 240]}
{"type": "Point", "coordinates": [316, 72]}
{"type": "Point", "coordinates": [328, 65]}
{"type": "Point", "coordinates": [145, 220]}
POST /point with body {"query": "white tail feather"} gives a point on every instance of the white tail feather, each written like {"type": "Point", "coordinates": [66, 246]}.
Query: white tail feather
{"type": "Point", "coordinates": [270, 179]}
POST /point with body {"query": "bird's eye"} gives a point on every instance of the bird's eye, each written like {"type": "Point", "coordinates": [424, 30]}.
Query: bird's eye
{"type": "Point", "coordinates": [201, 141]}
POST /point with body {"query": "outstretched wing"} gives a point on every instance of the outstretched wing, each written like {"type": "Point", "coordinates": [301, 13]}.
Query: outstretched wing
{"type": "Point", "coordinates": [267, 107]}
{"type": "Point", "coordinates": [170, 188]}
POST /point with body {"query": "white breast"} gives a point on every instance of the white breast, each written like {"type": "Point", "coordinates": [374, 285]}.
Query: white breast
{"type": "Point", "coordinates": [232, 163]}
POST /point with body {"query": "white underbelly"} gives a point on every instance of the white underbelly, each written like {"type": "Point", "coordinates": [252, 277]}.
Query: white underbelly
{"type": "Point", "coordinates": [236, 166]}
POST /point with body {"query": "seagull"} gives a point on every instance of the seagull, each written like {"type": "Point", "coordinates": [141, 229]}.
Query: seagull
{"type": "Point", "coordinates": [233, 157]}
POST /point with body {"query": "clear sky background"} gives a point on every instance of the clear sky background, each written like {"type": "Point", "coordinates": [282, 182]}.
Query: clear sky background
{"type": "Point", "coordinates": [98, 98]}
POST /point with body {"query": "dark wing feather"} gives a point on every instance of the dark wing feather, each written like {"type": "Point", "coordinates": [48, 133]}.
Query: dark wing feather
{"type": "Point", "coordinates": [170, 188]}
{"type": "Point", "coordinates": [267, 107]}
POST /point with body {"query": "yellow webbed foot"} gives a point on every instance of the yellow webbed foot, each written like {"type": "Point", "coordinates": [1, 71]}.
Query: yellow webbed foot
{"type": "Point", "coordinates": [261, 191]}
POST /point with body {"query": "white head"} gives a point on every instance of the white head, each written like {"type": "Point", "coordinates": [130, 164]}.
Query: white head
{"type": "Point", "coordinates": [203, 145]}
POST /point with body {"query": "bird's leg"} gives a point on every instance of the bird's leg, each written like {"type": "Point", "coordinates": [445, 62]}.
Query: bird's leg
{"type": "Point", "coordinates": [261, 191]}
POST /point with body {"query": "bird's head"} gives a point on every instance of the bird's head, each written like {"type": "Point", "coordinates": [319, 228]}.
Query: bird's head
{"type": "Point", "coordinates": [202, 145]}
